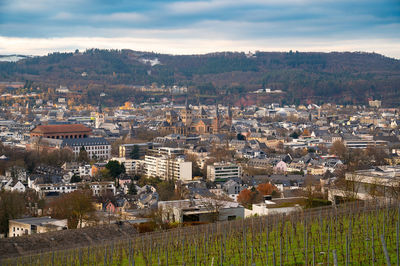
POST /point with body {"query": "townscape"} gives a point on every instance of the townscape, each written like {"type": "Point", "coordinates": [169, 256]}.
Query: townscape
{"type": "Point", "coordinates": [199, 132]}
{"type": "Point", "coordinates": [166, 164]}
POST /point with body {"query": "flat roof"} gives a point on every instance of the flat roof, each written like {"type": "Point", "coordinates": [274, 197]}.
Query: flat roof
{"type": "Point", "coordinates": [35, 220]}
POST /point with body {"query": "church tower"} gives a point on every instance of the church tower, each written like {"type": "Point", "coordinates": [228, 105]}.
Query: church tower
{"type": "Point", "coordinates": [216, 121]}
{"type": "Point", "coordinates": [229, 116]}
{"type": "Point", "coordinates": [186, 114]}
{"type": "Point", "coordinates": [100, 119]}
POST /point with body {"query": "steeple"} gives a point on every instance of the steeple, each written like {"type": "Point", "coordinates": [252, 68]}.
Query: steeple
{"type": "Point", "coordinates": [216, 121]}
{"type": "Point", "coordinates": [186, 114]}
{"type": "Point", "coordinates": [229, 118]}
{"type": "Point", "coordinates": [99, 110]}
{"type": "Point", "coordinates": [187, 104]}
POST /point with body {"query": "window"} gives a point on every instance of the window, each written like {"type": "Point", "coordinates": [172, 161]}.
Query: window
{"type": "Point", "coordinates": [232, 217]}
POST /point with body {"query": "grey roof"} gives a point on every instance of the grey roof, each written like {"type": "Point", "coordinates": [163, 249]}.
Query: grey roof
{"type": "Point", "coordinates": [35, 220]}
{"type": "Point", "coordinates": [202, 111]}
{"type": "Point", "coordinates": [85, 142]}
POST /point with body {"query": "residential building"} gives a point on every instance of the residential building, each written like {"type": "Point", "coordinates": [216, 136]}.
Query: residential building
{"type": "Point", "coordinates": [375, 103]}
{"type": "Point", "coordinates": [232, 188]}
{"type": "Point", "coordinates": [167, 167]}
{"type": "Point", "coordinates": [276, 206]}
{"type": "Point", "coordinates": [364, 143]}
{"type": "Point", "coordinates": [14, 185]}
{"type": "Point", "coordinates": [166, 151]}
{"type": "Point", "coordinates": [125, 150]}
{"type": "Point", "coordinates": [97, 188]}
{"type": "Point", "coordinates": [34, 225]}
{"type": "Point", "coordinates": [131, 166]}
{"type": "Point", "coordinates": [223, 171]}
{"type": "Point", "coordinates": [200, 210]}
{"type": "Point", "coordinates": [85, 170]}
{"type": "Point", "coordinates": [96, 148]}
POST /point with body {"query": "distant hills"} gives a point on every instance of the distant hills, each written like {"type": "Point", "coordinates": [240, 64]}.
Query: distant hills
{"type": "Point", "coordinates": [12, 57]}
{"type": "Point", "coordinates": [341, 77]}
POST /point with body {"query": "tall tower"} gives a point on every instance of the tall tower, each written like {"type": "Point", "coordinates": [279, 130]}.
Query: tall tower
{"type": "Point", "coordinates": [229, 118]}
{"type": "Point", "coordinates": [216, 122]}
{"type": "Point", "coordinates": [186, 114]}
{"type": "Point", "coordinates": [100, 119]}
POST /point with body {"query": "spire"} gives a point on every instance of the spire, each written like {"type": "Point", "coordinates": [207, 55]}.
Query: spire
{"type": "Point", "coordinates": [216, 111]}
{"type": "Point", "coordinates": [229, 112]}
{"type": "Point", "coordinates": [186, 104]}
{"type": "Point", "coordinates": [99, 110]}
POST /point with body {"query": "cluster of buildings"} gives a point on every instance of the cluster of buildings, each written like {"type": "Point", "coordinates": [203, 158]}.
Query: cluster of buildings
{"type": "Point", "coordinates": [211, 152]}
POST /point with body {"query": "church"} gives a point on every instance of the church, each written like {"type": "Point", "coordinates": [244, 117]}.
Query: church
{"type": "Point", "coordinates": [189, 122]}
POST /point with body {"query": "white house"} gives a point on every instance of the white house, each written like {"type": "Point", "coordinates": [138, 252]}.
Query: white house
{"type": "Point", "coordinates": [13, 185]}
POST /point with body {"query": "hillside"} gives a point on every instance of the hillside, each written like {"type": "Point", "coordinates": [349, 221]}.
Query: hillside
{"type": "Point", "coordinates": [341, 77]}
{"type": "Point", "coordinates": [357, 233]}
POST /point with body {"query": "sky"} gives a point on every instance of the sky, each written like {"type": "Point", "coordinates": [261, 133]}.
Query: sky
{"type": "Point", "coordinates": [38, 27]}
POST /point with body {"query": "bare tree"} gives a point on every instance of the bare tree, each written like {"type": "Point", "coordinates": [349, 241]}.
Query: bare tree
{"type": "Point", "coordinates": [348, 186]}
{"type": "Point", "coordinates": [214, 205]}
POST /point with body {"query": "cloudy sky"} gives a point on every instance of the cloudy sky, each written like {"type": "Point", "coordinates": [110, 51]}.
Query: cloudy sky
{"type": "Point", "coordinates": [184, 27]}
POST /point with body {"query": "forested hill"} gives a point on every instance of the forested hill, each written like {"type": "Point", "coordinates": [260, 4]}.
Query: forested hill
{"type": "Point", "coordinates": [323, 76]}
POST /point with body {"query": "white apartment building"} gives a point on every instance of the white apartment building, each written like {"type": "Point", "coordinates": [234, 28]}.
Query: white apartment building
{"type": "Point", "coordinates": [223, 171]}
{"type": "Point", "coordinates": [97, 188]}
{"type": "Point", "coordinates": [167, 167]}
{"type": "Point", "coordinates": [131, 166]}
{"type": "Point", "coordinates": [85, 170]}
{"type": "Point", "coordinates": [167, 151]}
{"type": "Point", "coordinates": [98, 148]}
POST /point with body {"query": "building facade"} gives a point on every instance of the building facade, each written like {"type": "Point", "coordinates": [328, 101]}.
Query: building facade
{"type": "Point", "coordinates": [96, 148]}
{"type": "Point", "coordinates": [35, 225]}
{"type": "Point", "coordinates": [98, 188]}
{"type": "Point", "coordinates": [381, 182]}
{"type": "Point", "coordinates": [223, 171]}
{"type": "Point", "coordinates": [131, 166]}
{"type": "Point", "coordinates": [127, 150]}
{"type": "Point", "coordinates": [168, 167]}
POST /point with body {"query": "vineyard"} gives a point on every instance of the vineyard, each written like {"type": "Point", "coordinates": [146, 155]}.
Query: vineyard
{"type": "Point", "coordinates": [358, 233]}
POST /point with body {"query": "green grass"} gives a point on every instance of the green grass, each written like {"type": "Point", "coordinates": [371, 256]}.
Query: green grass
{"type": "Point", "coordinates": [308, 237]}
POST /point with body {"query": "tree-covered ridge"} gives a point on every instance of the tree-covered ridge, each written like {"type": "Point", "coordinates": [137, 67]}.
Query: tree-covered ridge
{"type": "Point", "coordinates": [335, 75]}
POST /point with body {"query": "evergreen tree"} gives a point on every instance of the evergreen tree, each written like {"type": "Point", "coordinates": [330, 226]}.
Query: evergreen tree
{"type": "Point", "coordinates": [83, 155]}
{"type": "Point", "coordinates": [132, 189]}
{"type": "Point", "coordinates": [135, 152]}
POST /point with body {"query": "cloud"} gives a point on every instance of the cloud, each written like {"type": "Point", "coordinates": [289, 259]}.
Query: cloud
{"type": "Point", "coordinates": [119, 17]}
{"type": "Point", "coordinates": [222, 24]}
{"type": "Point", "coordinates": [190, 7]}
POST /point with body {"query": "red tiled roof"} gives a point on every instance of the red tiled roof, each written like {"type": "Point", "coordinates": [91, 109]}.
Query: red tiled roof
{"type": "Point", "coordinates": [67, 128]}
